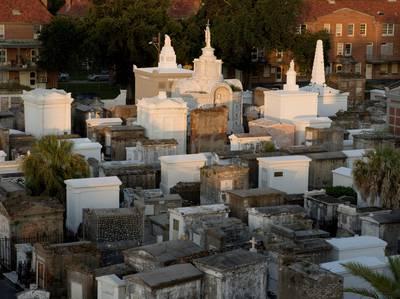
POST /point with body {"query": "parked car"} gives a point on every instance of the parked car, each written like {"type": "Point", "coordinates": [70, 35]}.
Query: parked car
{"type": "Point", "coordinates": [102, 76]}
{"type": "Point", "coordinates": [62, 77]}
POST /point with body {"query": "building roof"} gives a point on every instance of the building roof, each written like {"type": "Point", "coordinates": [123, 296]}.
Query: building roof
{"type": "Point", "coordinates": [386, 218]}
{"type": "Point", "coordinates": [204, 209]}
{"type": "Point", "coordinates": [24, 11]}
{"type": "Point", "coordinates": [168, 251]}
{"type": "Point", "coordinates": [184, 8]}
{"type": "Point", "coordinates": [167, 276]}
{"type": "Point", "coordinates": [369, 261]}
{"type": "Point", "coordinates": [357, 242]}
{"type": "Point", "coordinates": [382, 10]}
{"type": "Point", "coordinates": [75, 8]}
{"type": "Point", "coordinates": [93, 182]}
{"type": "Point", "coordinates": [202, 157]}
{"type": "Point", "coordinates": [255, 192]}
{"type": "Point", "coordinates": [327, 156]}
{"type": "Point", "coordinates": [231, 260]}
{"type": "Point", "coordinates": [24, 205]}
{"type": "Point", "coordinates": [277, 210]}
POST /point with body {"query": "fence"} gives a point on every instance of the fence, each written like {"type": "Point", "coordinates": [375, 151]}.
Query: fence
{"type": "Point", "coordinates": [8, 253]}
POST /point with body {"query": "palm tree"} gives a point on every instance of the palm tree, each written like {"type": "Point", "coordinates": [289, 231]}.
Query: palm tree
{"type": "Point", "coordinates": [50, 162]}
{"type": "Point", "coordinates": [384, 287]}
{"type": "Point", "coordinates": [378, 177]}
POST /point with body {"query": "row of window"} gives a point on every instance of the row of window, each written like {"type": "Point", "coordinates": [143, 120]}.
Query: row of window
{"type": "Point", "coordinates": [34, 55]}
{"type": "Point", "coordinates": [387, 29]}
{"type": "Point", "coordinates": [36, 31]}
{"type": "Point", "coordinates": [345, 49]}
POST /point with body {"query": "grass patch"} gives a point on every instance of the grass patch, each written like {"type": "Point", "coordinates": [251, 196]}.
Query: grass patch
{"type": "Point", "coordinates": [103, 90]}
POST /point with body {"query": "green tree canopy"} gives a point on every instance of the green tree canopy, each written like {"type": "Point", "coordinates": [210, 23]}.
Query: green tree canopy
{"type": "Point", "coordinates": [304, 49]}
{"type": "Point", "coordinates": [378, 177]}
{"type": "Point", "coordinates": [62, 41]}
{"type": "Point", "coordinates": [50, 162]}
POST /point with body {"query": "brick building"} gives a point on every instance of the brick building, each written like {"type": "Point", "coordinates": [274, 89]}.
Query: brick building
{"type": "Point", "coordinates": [364, 35]}
{"type": "Point", "coordinates": [20, 24]}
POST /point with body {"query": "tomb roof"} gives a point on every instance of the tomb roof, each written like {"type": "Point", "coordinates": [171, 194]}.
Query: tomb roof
{"type": "Point", "coordinates": [231, 260]}
{"type": "Point", "coordinates": [168, 251]}
{"type": "Point", "coordinates": [204, 209]}
{"type": "Point", "coordinates": [43, 96]}
{"type": "Point", "coordinates": [277, 210]}
{"type": "Point", "coordinates": [343, 171]}
{"type": "Point", "coordinates": [338, 268]}
{"type": "Point", "coordinates": [354, 153]}
{"type": "Point", "coordinates": [124, 128]}
{"type": "Point", "coordinates": [284, 159]}
{"type": "Point", "coordinates": [162, 219]}
{"type": "Point", "coordinates": [149, 142]}
{"type": "Point", "coordinates": [385, 218]}
{"type": "Point", "coordinates": [111, 211]}
{"type": "Point", "coordinates": [326, 156]}
{"type": "Point", "coordinates": [167, 276]}
{"type": "Point", "coordinates": [255, 192]}
{"type": "Point", "coordinates": [202, 157]}
{"type": "Point", "coordinates": [93, 182]}
{"type": "Point", "coordinates": [92, 122]}
{"type": "Point", "coordinates": [357, 242]}
{"type": "Point", "coordinates": [325, 198]}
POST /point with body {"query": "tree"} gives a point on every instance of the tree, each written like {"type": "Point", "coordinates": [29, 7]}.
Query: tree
{"type": "Point", "coordinates": [378, 177]}
{"type": "Point", "coordinates": [62, 41]}
{"type": "Point", "coordinates": [383, 285]}
{"type": "Point", "coordinates": [50, 162]}
{"type": "Point", "coordinates": [304, 49]}
{"type": "Point", "coordinates": [119, 33]}
{"type": "Point", "coordinates": [239, 26]}
{"type": "Point", "coordinates": [55, 5]}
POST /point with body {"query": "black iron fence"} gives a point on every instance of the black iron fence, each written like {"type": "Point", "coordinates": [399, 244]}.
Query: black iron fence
{"type": "Point", "coordinates": [8, 252]}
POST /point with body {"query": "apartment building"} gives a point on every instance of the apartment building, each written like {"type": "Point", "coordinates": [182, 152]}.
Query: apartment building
{"type": "Point", "coordinates": [365, 35]}
{"type": "Point", "coordinates": [20, 25]}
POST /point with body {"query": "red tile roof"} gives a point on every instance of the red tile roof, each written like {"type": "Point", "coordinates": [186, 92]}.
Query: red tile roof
{"type": "Point", "coordinates": [75, 8]}
{"type": "Point", "coordinates": [184, 8]}
{"type": "Point", "coordinates": [26, 11]}
{"type": "Point", "coordinates": [382, 10]}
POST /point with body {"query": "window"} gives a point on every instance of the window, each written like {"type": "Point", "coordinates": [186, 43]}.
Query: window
{"type": "Point", "coordinates": [384, 68]}
{"type": "Point", "coordinates": [301, 29]}
{"type": "Point", "coordinates": [2, 32]}
{"type": "Point", "coordinates": [363, 29]}
{"type": "Point", "coordinates": [32, 76]}
{"type": "Point", "coordinates": [338, 29]}
{"type": "Point", "coordinates": [339, 49]}
{"type": "Point", "coordinates": [387, 49]}
{"type": "Point", "coordinates": [34, 55]}
{"type": "Point", "coordinates": [267, 70]}
{"type": "Point", "coordinates": [350, 29]}
{"type": "Point", "coordinates": [327, 28]}
{"type": "Point", "coordinates": [278, 174]}
{"type": "Point", "coordinates": [395, 68]}
{"type": "Point", "coordinates": [3, 56]}
{"type": "Point", "coordinates": [347, 49]}
{"type": "Point", "coordinates": [279, 55]}
{"type": "Point", "coordinates": [339, 68]}
{"type": "Point", "coordinates": [357, 68]}
{"type": "Point", "coordinates": [175, 224]}
{"type": "Point", "coordinates": [388, 30]}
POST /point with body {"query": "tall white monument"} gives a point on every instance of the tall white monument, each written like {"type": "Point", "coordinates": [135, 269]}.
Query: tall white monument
{"type": "Point", "coordinates": [167, 57]}
{"type": "Point", "coordinates": [330, 100]}
{"type": "Point", "coordinates": [47, 112]}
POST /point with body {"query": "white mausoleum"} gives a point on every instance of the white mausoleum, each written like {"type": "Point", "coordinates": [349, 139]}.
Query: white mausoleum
{"type": "Point", "coordinates": [207, 87]}
{"type": "Point", "coordinates": [180, 168]}
{"type": "Point", "coordinates": [285, 173]}
{"type": "Point", "coordinates": [90, 193]}
{"type": "Point", "coordinates": [330, 100]}
{"type": "Point", "coordinates": [86, 148]}
{"type": "Point", "coordinates": [164, 118]}
{"type": "Point", "coordinates": [149, 81]}
{"type": "Point", "coordinates": [47, 112]}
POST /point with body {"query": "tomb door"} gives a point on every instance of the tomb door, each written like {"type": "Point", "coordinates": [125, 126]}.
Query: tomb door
{"type": "Point", "coordinates": [40, 275]}
{"type": "Point", "coordinates": [221, 96]}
